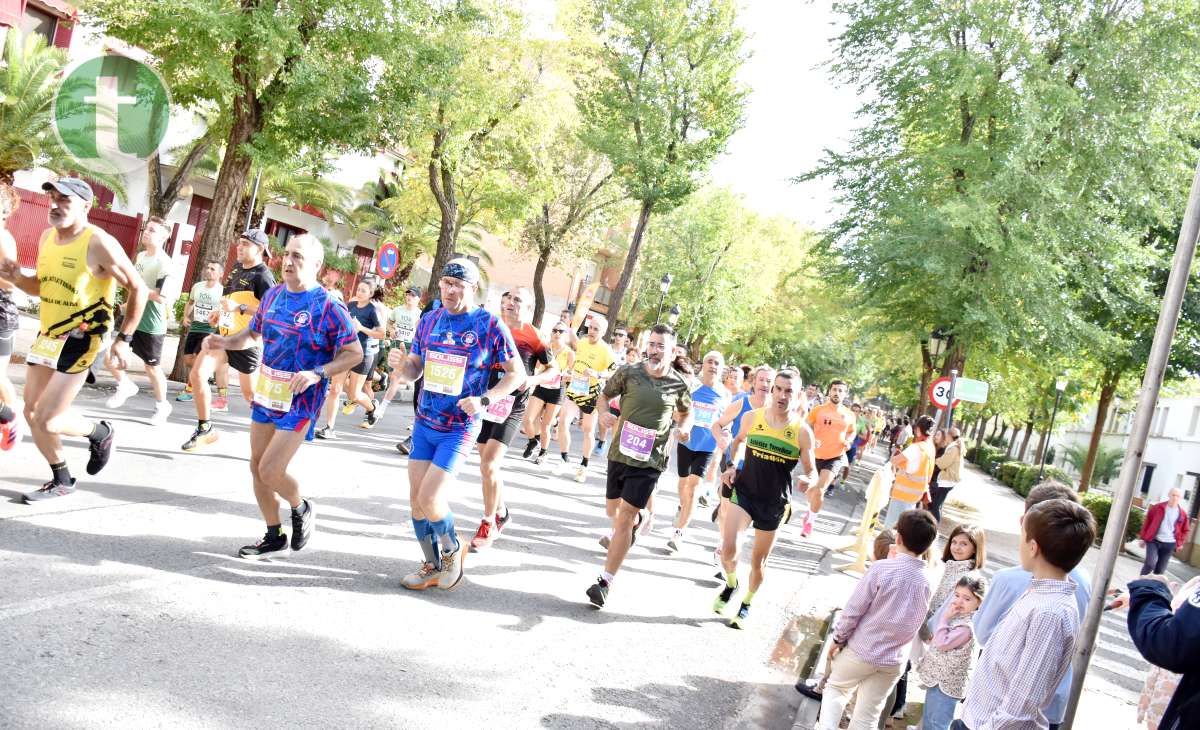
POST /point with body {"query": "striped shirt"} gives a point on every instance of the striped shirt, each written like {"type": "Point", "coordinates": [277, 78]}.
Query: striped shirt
{"type": "Point", "coordinates": [885, 611]}
{"type": "Point", "coordinates": [1024, 660]}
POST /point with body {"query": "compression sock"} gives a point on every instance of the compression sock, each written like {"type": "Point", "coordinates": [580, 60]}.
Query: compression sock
{"type": "Point", "coordinates": [99, 432]}
{"type": "Point", "coordinates": [749, 597]}
{"type": "Point", "coordinates": [443, 529]}
{"type": "Point", "coordinates": [731, 579]}
{"type": "Point", "coordinates": [423, 530]}
{"type": "Point", "coordinates": [62, 475]}
{"type": "Point", "coordinates": [274, 531]}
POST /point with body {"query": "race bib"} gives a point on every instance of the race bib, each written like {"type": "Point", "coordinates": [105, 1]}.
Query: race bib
{"type": "Point", "coordinates": [444, 372]}
{"type": "Point", "coordinates": [273, 389]}
{"type": "Point", "coordinates": [46, 351]}
{"type": "Point", "coordinates": [499, 411]}
{"type": "Point", "coordinates": [553, 383]}
{"type": "Point", "coordinates": [580, 385]}
{"type": "Point", "coordinates": [636, 442]}
{"type": "Point", "coordinates": [225, 320]}
{"type": "Point", "coordinates": [201, 312]}
{"type": "Point", "coordinates": [405, 331]}
{"type": "Point", "coordinates": [704, 414]}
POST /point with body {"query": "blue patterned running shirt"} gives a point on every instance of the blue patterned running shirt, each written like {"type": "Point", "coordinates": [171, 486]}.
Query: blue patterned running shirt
{"type": "Point", "coordinates": [457, 351]}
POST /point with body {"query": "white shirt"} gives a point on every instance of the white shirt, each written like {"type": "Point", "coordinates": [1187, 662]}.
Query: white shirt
{"type": "Point", "coordinates": [1166, 528]}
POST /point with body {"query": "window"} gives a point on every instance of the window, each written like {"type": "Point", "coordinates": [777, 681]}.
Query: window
{"type": "Point", "coordinates": [603, 295]}
{"type": "Point", "coordinates": [1147, 477]}
{"type": "Point", "coordinates": [1162, 420]}
{"type": "Point", "coordinates": [39, 22]}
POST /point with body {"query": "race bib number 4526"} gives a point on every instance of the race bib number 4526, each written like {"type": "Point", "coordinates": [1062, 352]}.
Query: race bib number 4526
{"type": "Point", "coordinates": [444, 372]}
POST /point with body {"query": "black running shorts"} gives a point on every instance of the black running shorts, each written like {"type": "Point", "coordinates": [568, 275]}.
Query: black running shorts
{"type": "Point", "coordinates": [766, 513]}
{"type": "Point", "coordinates": [690, 463]}
{"type": "Point", "coordinates": [244, 361]}
{"type": "Point", "coordinates": [633, 484]}
{"type": "Point", "coordinates": [147, 347]}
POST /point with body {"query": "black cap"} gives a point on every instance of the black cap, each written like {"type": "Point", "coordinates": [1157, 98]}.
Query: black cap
{"type": "Point", "coordinates": [71, 186]}
{"type": "Point", "coordinates": [414, 290]}
{"type": "Point", "coordinates": [257, 236]}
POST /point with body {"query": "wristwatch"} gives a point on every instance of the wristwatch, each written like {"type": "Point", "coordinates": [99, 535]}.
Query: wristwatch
{"type": "Point", "coordinates": [242, 309]}
{"type": "Point", "coordinates": [319, 371]}
{"type": "Point", "coordinates": [485, 401]}
{"type": "Point", "coordinates": [122, 337]}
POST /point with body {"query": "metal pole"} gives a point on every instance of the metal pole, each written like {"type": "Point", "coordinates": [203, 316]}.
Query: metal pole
{"type": "Point", "coordinates": [253, 198]}
{"type": "Point", "coordinates": [950, 401]}
{"type": "Point", "coordinates": [662, 297]}
{"type": "Point", "coordinates": [1049, 433]}
{"type": "Point", "coordinates": [1114, 531]}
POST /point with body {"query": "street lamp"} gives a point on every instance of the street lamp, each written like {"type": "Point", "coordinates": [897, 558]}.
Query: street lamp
{"type": "Point", "coordinates": [673, 315]}
{"type": "Point", "coordinates": [664, 286]}
{"type": "Point", "coordinates": [939, 341]}
{"type": "Point", "coordinates": [1060, 385]}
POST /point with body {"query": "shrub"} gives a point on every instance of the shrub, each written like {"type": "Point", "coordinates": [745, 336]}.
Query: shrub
{"type": "Point", "coordinates": [1000, 442]}
{"type": "Point", "coordinates": [1100, 505]}
{"type": "Point", "coordinates": [1008, 472]}
{"type": "Point", "coordinates": [180, 305]}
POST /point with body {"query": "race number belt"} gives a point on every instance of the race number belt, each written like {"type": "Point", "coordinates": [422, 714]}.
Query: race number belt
{"type": "Point", "coordinates": [499, 411]}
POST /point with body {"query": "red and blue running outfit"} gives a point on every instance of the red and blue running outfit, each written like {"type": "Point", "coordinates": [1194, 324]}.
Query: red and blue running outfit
{"type": "Point", "coordinates": [300, 331]}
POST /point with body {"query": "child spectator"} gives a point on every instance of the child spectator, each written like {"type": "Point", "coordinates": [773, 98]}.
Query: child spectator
{"type": "Point", "coordinates": [943, 668]}
{"type": "Point", "coordinates": [879, 622]}
{"type": "Point", "coordinates": [964, 552]}
{"type": "Point", "coordinates": [1029, 653]}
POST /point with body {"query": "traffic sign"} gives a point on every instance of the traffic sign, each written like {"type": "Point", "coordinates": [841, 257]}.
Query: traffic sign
{"type": "Point", "coordinates": [972, 391]}
{"type": "Point", "coordinates": [939, 394]}
{"type": "Point", "coordinates": [387, 260]}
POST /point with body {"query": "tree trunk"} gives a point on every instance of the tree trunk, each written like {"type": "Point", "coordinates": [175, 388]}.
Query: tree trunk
{"type": "Point", "coordinates": [1043, 435]}
{"type": "Point", "coordinates": [926, 379]}
{"type": "Point", "coordinates": [977, 434]}
{"type": "Point", "coordinates": [635, 248]}
{"type": "Point", "coordinates": [441, 184]}
{"type": "Point", "coordinates": [1028, 433]}
{"type": "Point", "coordinates": [162, 199]}
{"type": "Point", "coordinates": [539, 294]}
{"type": "Point", "coordinates": [1012, 442]}
{"type": "Point", "coordinates": [1108, 388]}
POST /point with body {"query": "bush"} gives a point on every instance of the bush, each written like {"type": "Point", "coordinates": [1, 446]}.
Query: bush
{"type": "Point", "coordinates": [1008, 472]}
{"type": "Point", "coordinates": [1100, 505]}
{"type": "Point", "coordinates": [180, 305]}
{"type": "Point", "coordinates": [1000, 442]}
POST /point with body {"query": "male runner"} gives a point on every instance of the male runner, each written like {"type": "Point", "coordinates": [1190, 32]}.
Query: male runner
{"type": "Point", "coordinates": [776, 440]}
{"type": "Point", "coordinates": [502, 419]}
{"type": "Point", "coordinates": [79, 268]}
{"type": "Point", "coordinates": [862, 436]}
{"type": "Point", "coordinates": [833, 425]}
{"type": "Point", "coordinates": [245, 287]}
{"type": "Point", "coordinates": [454, 349]}
{"type": "Point", "coordinates": [729, 425]}
{"type": "Point", "coordinates": [307, 338]}
{"type": "Point", "coordinates": [696, 446]}
{"type": "Point", "coordinates": [812, 395]}
{"type": "Point", "coordinates": [593, 359]}
{"type": "Point", "coordinates": [403, 323]}
{"type": "Point", "coordinates": [9, 323]}
{"type": "Point", "coordinates": [620, 343]}
{"type": "Point", "coordinates": [652, 397]}
{"type": "Point", "coordinates": [204, 300]}
{"type": "Point", "coordinates": [154, 266]}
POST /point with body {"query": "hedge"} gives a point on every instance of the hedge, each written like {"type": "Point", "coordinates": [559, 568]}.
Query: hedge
{"type": "Point", "coordinates": [1100, 504]}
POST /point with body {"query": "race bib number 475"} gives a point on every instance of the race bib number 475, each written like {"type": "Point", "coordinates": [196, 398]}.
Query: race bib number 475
{"type": "Point", "coordinates": [444, 372]}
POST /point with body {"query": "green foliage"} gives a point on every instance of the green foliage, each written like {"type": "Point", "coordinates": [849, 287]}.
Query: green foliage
{"type": "Point", "coordinates": [1000, 442]}
{"type": "Point", "coordinates": [1108, 461]}
{"type": "Point", "coordinates": [179, 306]}
{"type": "Point", "coordinates": [1100, 505]}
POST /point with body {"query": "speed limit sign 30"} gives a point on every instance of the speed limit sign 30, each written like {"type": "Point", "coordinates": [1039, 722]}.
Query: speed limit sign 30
{"type": "Point", "coordinates": [939, 394]}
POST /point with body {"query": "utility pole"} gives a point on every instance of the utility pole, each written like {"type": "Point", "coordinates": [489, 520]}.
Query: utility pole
{"type": "Point", "coordinates": [1114, 531]}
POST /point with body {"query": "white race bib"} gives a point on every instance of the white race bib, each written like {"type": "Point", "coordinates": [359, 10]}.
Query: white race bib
{"type": "Point", "coordinates": [499, 411]}
{"type": "Point", "coordinates": [273, 389]}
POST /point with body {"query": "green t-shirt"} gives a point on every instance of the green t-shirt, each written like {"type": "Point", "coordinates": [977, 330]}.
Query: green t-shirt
{"type": "Point", "coordinates": [205, 300]}
{"type": "Point", "coordinates": [154, 271]}
{"type": "Point", "coordinates": [647, 403]}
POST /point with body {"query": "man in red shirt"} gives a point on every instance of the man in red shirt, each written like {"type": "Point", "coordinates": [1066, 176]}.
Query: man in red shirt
{"type": "Point", "coordinates": [833, 426]}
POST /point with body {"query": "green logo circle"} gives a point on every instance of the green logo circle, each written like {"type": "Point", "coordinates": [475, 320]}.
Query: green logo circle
{"type": "Point", "coordinates": [111, 113]}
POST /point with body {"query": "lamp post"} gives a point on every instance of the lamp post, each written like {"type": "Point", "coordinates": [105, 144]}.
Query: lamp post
{"type": "Point", "coordinates": [673, 315]}
{"type": "Point", "coordinates": [1060, 385]}
{"type": "Point", "coordinates": [664, 286]}
{"type": "Point", "coordinates": [936, 344]}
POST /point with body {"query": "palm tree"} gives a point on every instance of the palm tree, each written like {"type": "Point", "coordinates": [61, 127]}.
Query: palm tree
{"type": "Point", "coordinates": [1108, 461]}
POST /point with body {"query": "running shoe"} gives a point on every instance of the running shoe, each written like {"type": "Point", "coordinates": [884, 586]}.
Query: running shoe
{"type": "Point", "coordinates": [406, 446]}
{"type": "Point", "coordinates": [716, 558]}
{"type": "Point", "coordinates": [371, 418]}
{"type": "Point", "coordinates": [325, 433]}
{"type": "Point", "coordinates": [126, 389]}
{"type": "Point", "coordinates": [381, 409]}
{"type": "Point", "coordinates": [484, 536]}
{"type": "Point", "coordinates": [539, 459]}
{"type": "Point", "coordinates": [702, 500]}
{"type": "Point", "coordinates": [424, 577]}
{"type": "Point", "coordinates": [10, 433]}
{"type": "Point", "coordinates": [50, 490]}
{"type": "Point", "coordinates": [715, 511]}
{"type": "Point", "coordinates": [100, 451]}
{"type": "Point", "coordinates": [743, 616]}
{"type": "Point", "coordinates": [302, 525]}
{"type": "Point", "coordinates": [162, 411]}
{"type": "Point", "coordinates": [200, 437]}
{"type": "Point", "coordinates": [723, 598]}
{"type": "Point", "coordinates": [806, 527]}
{"type": "Point", "coordinates": [185, 395]}
{"type": "Point", "coordinates": [502, 522]}
{"type": "Point", "coordinates": [562, 468]}
{"type": "Point", "coordinates": [452, 569]}
{"type": "Point", "coordinates": [529, 447]}
{"type": "Point", "coordinates": [267, 547]}
{"type": "Point", "coordinates": [220, 404]}
{"type": "Point", "coordinates": [605, 541]}
{"type": "Point", "coordinates": [349, 407]}
{"type": "Point", "coordinates": [675, 541]}
{"type": "Point", "coordinates": [597, 593]}
{"type": "Point", "coordinates": [599, 449]}
{"type": "Point", "coordinates": [581, 474]}
{"type": "Point", "coordinates": [647, 525]}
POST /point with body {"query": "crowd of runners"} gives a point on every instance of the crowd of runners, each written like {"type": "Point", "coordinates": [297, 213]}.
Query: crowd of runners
{"type": "Point", "coordinates": [747, 441]}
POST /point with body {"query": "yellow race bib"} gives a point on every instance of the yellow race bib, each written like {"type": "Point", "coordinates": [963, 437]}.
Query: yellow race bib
{"type": "Point", "coordinates": [273, 389]}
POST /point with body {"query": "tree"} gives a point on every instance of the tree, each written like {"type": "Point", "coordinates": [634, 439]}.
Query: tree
{"type": "Point", "coordinates": [664, 102]}
{"type": "Point", "coordinates": [1106, 461]}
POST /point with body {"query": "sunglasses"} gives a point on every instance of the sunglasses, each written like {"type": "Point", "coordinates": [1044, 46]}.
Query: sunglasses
{"type": "Point", "coordinates": [558, 332]}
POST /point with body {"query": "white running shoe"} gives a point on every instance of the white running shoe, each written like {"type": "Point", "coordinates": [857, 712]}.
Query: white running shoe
{"type": "Point", "coordinates": [561, 468]}
{"type": "Point", "coordinates": [162, 410]}
{"type": "Point", "coordinates": [581, 474]}
{"type": "Point", "coordinates": [126, 389]}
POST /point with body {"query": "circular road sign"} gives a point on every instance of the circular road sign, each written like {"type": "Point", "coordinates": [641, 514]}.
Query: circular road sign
{"type": "Point", "coordinates": [387, 260]}
{"type": "Point", "coordinates": [939, 394]}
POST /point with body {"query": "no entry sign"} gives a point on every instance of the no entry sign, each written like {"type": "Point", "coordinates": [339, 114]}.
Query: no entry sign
{"type": "Point", "coordinates": [387, 260]}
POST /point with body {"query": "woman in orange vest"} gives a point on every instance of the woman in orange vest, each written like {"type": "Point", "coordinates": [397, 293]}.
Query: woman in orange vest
{"type": "Point", "coordinates": [914, 469]}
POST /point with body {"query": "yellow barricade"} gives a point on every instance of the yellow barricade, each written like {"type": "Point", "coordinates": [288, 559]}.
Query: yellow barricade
{"type": "Point", "coordinates": [878, 493]}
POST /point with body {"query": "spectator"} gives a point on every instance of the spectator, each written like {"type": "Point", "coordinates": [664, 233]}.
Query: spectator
{"type": "Point", "coordinates": [944, 667]}
{"type": "Point", "coordinates": [949, 470]}
{"type": "Point", "coordinates": [1170, 640]}
{"type": "Point", "coordinates": [1163, 532]}
{"type": "Point", "coordinates": [965, 551]}
{"type": "Point", "coordinates": [879, 622]}
{"type": "Point", "coordinates": [914, 468]}
{"type": "Point", "coordinates": [1028, 656]}
{"type": "Point", "coordinates": [1161, 684]}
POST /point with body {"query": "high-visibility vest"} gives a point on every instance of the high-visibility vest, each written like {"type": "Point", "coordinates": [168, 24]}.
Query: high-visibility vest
{"type": "Point", "coordinates": [910, 486]}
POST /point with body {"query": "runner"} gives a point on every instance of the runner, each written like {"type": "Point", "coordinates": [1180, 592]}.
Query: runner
{"type": "Point", "coordinates": [454, 348]}
{"type": "Point", "coordinates": [403, 323]}
{"type": "Point", "coordinates": [812, 395]}
{"type": "Point", "coordinates": [862, 436]}
{"type": "Point", "coordinates": [694, 452]}
{"type": "Point", "coordinates": [593, 359]}
{"type": "Point", "coordinates": [502, 420]}
{"type": "Point", "coordinates": [728, 427]}
{"type": "Point", "coordinates": [367, 319]}
{"type": "Point", "coordinates": [79, 268]}
{"type": "Point", "coordinates": [776, 440]}
{"type": "Point", "coordinates": [833, 425]}
{"type": "Point", "coordinates": [202, 303]}
{"type": "Point", "coordinates": [154, 266]}
{"type": "Point", "coordinates": [620, 343]}
{"type": "Point", "coordinates": [330, 282]}
{"type": "Point", "coordinates": [652, 396]}
{"type": "Point", "coordinates": [245, 287]}
{"type": "Point", "coordinates": [9, 323]}
{"type": "Point", "coordinates": [544, 403]}
{"type": "Point", "coordinates": [308, 337]}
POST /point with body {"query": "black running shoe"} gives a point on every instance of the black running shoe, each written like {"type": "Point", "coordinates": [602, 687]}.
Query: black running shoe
{"type": "Point", "coordinates": [302, 526]}
{"type": "Point", "coordinates": [597, 593]}
{"type": "Point", "coordinates": [267, 547]}
{"type": "Point", "coordinates": [715, 511]}
{"type": "Point", "coordinates": [100, 451]}
{"type": "Point", "coordinates": [405, 447]}
{"type": "Point", "coordinates": [723, 599]}
{"type": "Point", "coordinates": [743, 616]}
{"type": "Point", "coordinates": [50, 490]}
{"type": "Point", "coordinates": [200, 437]}
{"type": "Point", "coordinates": [529, 447]}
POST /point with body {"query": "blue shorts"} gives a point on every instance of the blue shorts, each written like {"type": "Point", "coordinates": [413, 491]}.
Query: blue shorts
{"type": "Point", "coordinates": [446, 449]}
{"type": "Point", "coordinates": [293, 420]}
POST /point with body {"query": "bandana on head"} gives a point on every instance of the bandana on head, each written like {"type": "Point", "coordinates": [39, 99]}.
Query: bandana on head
{"type": "Point", "coordinates": [464, 269]}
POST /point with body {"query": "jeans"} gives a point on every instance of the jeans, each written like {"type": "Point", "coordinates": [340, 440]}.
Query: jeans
{"type": "Point", "coordinates": [1158, 554]}
{"type": "Point", "coordinates": [939, 710]}
{"type": "Point", "coordinates": [896, 508]}
{"type": "Point", "coordinates": [937, 496]}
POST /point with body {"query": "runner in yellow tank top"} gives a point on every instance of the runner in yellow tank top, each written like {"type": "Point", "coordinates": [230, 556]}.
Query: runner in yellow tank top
{"type": "Point", "coordinates": [776, 441]}
{"type": "Point", "coordinates": [79, 267]}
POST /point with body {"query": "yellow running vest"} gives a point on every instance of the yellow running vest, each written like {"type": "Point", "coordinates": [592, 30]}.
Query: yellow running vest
{"type": "Point", "coordinates": [73, 298]}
